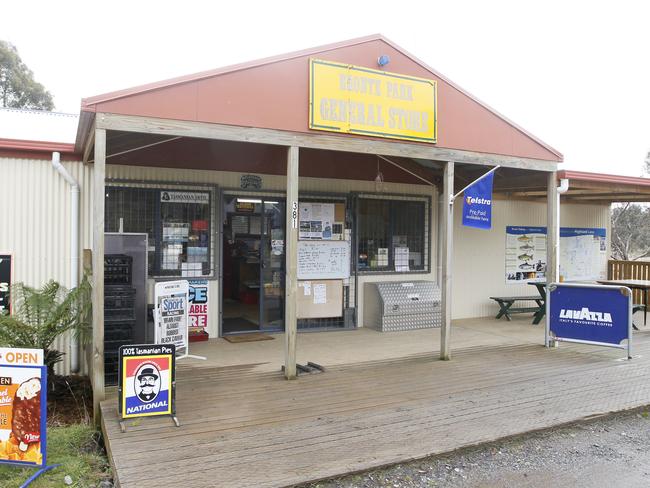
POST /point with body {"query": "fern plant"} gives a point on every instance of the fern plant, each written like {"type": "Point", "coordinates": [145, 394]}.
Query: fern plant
{"type": "Point", "coordinates": [40, 315]}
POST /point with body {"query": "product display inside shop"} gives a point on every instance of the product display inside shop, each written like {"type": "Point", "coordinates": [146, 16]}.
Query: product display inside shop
{"type": "Point", "coordinates": [176, 222]}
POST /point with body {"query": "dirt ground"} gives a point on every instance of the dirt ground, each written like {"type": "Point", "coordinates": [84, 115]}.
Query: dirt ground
{"type": "Point", "coordinates": [607, 451]}
{"type": "Point", "coordinates": [69, 401]}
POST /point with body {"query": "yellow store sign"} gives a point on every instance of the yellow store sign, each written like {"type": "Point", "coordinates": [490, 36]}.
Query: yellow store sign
{"type": "Point", "coordinates": [357, 100]}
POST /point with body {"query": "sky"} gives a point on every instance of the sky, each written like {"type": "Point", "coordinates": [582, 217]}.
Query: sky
{"type": "Point", "coordinates": [575, 74]}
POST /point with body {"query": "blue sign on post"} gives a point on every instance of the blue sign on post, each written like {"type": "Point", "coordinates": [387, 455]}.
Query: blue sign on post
{"type": "Point", "coordinates": [589, 314]}
{"type": "Point", "coordinates": [477, 203]}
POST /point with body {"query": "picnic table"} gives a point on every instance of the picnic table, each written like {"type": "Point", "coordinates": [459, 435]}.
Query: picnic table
{"type": "Point", "coordinates": [634, 285]}
{"type": "Point", "coordinates": [541, 289]}
{"type": "Point", "coordinates": [506, 306]}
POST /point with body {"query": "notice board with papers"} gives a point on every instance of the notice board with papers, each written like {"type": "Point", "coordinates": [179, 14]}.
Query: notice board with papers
{"type": "Point", "coordinates": [323, 260]}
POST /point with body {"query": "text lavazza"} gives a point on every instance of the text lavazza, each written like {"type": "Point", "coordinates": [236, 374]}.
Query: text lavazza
{"type": "Point", "coordinates": [586, 314]}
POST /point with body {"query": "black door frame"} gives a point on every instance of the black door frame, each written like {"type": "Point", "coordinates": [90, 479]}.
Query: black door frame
{"type": "Point", "coordinates": [257, 194]}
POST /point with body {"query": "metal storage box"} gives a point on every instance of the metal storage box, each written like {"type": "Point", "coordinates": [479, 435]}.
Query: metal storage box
{"type": "Point", "coordinates": [401, 305]}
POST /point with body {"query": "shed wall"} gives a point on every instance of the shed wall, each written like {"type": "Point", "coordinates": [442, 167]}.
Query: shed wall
{"type": "Point", "coordinates": [36, 223]}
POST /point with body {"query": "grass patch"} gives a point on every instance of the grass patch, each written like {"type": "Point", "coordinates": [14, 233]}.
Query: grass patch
{"type": "Point", "coordinates": [77, 448]}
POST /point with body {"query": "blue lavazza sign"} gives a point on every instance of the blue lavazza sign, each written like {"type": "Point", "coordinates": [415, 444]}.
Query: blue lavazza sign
{"type": "Point", "coordinates": [477, 204]}
{"type": "Point", "coordinates": [590, 314]}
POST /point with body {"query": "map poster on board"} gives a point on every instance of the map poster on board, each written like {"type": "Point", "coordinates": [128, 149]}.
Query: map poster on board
{"type": "Point", "coordinates": [525, 254]}
{"type": "Point", "coordinates": [5, 283]}
{"type": "Point", "coordinates": [171, 314]}
{"type": "Point", "coordinates": [583, 254]}
{"type": "Point", "coordinates": [146, 385]}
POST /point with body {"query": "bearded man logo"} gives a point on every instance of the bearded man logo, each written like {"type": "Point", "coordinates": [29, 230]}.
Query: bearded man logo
{"type": "Point", "coordinates": [147, 383]}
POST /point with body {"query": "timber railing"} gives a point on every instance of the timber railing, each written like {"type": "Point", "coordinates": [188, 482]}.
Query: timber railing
{"type": "Point", "coordinates": [629, 270]}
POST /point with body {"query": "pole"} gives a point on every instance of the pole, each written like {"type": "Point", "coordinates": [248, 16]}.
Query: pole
{"type": "Point", "coordinates": [447, 232]}
{"type": "Point", "coordinates": [99, 190]}
{"type": "Point", "coordinates": [291, 255]}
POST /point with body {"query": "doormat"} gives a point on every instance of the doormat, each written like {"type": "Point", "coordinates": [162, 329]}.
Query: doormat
{"type": "Point", "coordinates": [255, 336]}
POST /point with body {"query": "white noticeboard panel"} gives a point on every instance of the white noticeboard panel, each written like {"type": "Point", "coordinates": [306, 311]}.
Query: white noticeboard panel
{"type": "Point", "coordinates": [171, 321]}
{"type": "Point", "coordinates": [323, 260]}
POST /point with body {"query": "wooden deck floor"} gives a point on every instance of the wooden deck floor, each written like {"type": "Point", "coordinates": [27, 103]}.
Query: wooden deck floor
{"type": "Point", "coordinates": [248, 429]}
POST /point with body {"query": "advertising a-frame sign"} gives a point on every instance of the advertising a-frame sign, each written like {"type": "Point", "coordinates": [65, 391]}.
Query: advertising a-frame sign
{"type": "Point", "coordinates": [147, 382]}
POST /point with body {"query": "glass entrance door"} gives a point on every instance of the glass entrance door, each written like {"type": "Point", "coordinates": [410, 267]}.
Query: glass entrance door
{"type": "Point", "coordinates": [272, 270]}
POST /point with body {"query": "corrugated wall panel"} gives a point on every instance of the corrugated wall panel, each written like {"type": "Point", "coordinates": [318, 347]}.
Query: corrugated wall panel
{"type": "Point", "coordinates": [36, 226]}
{"type": "Point", "coordinates": [479, 255]}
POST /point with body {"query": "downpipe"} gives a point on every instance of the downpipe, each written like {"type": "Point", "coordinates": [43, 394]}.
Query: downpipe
{"type": "Point", "coordinates": [74, 246]}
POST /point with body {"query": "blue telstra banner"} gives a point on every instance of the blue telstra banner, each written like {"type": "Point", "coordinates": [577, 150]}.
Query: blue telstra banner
{"type": "Point", "coordinates": [590, 313]}
{"type": "Point", "coordinates": [477, 204]}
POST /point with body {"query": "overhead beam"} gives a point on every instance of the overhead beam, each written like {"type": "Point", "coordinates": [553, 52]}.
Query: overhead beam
{"type": "Point", "coordinates": [611, 187]}
{"type": "Point", "coordinates": [204, 130]}
{"type": "Point", "coordinates": [90, 142]}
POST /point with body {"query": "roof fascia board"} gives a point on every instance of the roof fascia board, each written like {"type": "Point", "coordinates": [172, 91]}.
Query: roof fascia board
{"type": "Point", "coordinates": [37, 146]}
{"type": "Point", "coordinates": [594, 178]}
{"type": "Point", "coordinates": [204, 130]}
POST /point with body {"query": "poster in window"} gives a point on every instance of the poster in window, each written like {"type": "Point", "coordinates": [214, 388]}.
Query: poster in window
{"type": "Point", "coordinates": [402, 259]}
{"type": "Point", "coordinates": [198, 312]}
{"type": "Point", "coordinates": [316, 220]}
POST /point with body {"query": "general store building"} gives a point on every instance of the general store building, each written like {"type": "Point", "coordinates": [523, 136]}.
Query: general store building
{"type": "Point", "coordinates": [212, 166]}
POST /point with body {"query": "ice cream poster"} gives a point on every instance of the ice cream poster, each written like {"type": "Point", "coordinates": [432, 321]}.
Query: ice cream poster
{"type": "Point", "coordinates": [146, 378]}
{"type": "Point", "coordinates": [23, 412]}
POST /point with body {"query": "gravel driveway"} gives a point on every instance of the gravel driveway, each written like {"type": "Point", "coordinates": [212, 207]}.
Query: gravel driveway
{"type": "Point", "coordinates": [607, 451]}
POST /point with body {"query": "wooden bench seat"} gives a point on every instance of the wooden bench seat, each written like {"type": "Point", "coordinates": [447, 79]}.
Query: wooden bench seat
{"type": "Point", "coordinates": [507, 308]}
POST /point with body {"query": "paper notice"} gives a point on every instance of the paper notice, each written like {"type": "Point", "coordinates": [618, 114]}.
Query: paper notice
{"type": "Point", "coordinates": [306, 285]}
{"type": "Point", "coordinates": [320, 294]}
{"type": "Point", "coordinates": [401, 259]}
{"type": "Point", "coordinates": [382, 257]}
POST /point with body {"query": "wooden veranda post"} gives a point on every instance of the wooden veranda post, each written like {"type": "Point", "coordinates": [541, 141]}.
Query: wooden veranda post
{"type": "Point", "coordinates": [552, 230]}
{"type": "Point", "coordinates": [291, 253]}
{"type": "Point", "coordinates": [99, 190]}
{"type": "Point", "coordinates": [447, 232]}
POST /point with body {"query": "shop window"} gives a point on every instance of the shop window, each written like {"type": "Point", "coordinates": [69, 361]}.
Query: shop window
{"type": "Point", "coordinates": [391, 235]}
{"type": "Point", "coordinates": [176, 221]}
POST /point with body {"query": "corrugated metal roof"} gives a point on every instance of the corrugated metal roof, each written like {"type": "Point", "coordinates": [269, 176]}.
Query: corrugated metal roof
{"type": "Point", "coordinates": [38, 125]}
